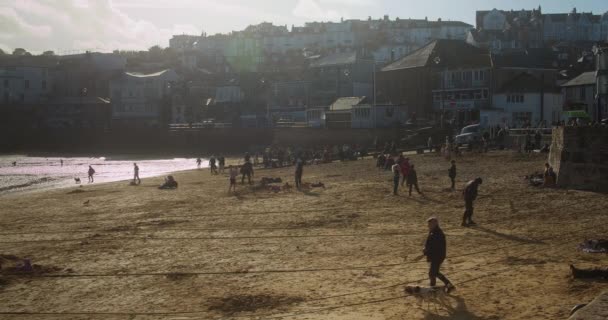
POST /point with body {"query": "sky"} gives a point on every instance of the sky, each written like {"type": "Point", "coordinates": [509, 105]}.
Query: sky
{"type": "Point", "coordinates": [67, 26]}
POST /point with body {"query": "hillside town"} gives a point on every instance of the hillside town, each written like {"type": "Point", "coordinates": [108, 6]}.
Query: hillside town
{"type": "Point", "coordinates": [514, 68]}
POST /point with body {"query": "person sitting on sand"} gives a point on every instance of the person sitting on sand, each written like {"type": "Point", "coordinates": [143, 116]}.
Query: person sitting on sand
{"type": "Point", "coordinates": [549, 176]}
{"type": "Point", "coordinates": [234, 172]}
{"type": "Point", "coordinates": [412, 180]}
{"type": "Point", "coordinates": [170, 183]}
{"type": "Point", "coordinates": [91, 172]}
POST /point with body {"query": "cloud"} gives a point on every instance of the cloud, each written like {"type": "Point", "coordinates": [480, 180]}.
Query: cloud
{"type": "Point", "coordinates": [313, 10]}
{"type": "Point", "coordinates": [62, 25]}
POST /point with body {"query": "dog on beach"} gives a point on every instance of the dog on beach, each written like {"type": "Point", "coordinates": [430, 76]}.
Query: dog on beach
{"type": "Point", "coordinates": [77, 180]}
{"type": "Point", "coordinates": [435, 295]}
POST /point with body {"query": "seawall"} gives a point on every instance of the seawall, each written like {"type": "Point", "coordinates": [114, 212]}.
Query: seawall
{"type": "Point", "coordinates": [579, 156]}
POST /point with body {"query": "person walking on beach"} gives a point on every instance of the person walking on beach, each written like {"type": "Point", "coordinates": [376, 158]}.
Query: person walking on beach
{"type": "Point", "coordinates": [412, 180]}
{"type": "Point", "coordinates": [212, 165]}
{"type": "Point", "coordinates": [91, 173]}
{"type": "Point", "coordinates": [396, 168]}
{"type": "Point", "coordinates": [198, 163]}
{"type": "Point", "coordinates": [405, 169]}
{"type": "Point", "coordinates": [222, 163]}
{"type": "Point", "coordinates": [136, 178]}
{"type": "Point", "coordinates": [247, 171]}
{"type": "Point", "coordinates": [61, 161]}
{"type": "Point", "coordinates": [299, 172]}
{"type": "Point", "coordinates": [435, 250]}
{"type": "Point", "coordinates": [234, 172]}
{"type": "Point", "coordinates": [452, 174]}
{"type": "Point", "coordinates": [470, 194]}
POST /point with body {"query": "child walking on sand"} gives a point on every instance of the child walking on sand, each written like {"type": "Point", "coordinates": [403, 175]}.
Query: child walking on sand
{"type": "Point", "coordinates": [234, 172]}
{"type": "Point", "coordinates": [452, 174]}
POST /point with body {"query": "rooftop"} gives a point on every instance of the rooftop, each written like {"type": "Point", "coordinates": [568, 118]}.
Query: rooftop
{"type": "Point", "coordinates": [585, 79]}
{"type": "Point", "coordinates": [346, 103]}
{"type": "Point", "coordinates": [443, 53]}
{"type": "Point", "coordinates": [335, 59]}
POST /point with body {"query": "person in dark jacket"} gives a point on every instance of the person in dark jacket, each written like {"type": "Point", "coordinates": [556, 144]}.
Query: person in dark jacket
{"type": "Point", "coordinates": [435, 252]}
{"type": "Point", "coordinates": [470, 194]}
{"type": "Point", "coordinates": [412, 180]}
{"type": "Point", "coordinates": [452, 174]}
{"type": "Point", "coordinates": [247, 171]}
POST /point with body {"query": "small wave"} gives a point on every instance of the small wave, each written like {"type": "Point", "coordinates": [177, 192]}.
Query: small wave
{"type": "Point", "coordinates": [27, 184]}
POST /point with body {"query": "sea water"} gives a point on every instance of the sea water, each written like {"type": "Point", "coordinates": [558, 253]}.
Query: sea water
{"type": "Point", "coordinates": [43, 173]}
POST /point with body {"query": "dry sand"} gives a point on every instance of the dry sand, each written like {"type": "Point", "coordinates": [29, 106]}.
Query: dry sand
{"type": "Point", "coordinates": [343, 252]}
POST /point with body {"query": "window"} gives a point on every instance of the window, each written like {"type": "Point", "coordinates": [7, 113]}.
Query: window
{"type": "Point", "coordinates": [22, 97]}
{"type": "Point", "coordinates": [27, 84]}
{"type": "Point", "coordinates": [583, 93]}
{"type": "Point", "coordinates": [6, 83]}
{"type": "Point", "coordinates": [389, 112]}
{"type": "Point", "coordinates": [515, 98]}
{"type": "Point", "coordinates": [43, 84]}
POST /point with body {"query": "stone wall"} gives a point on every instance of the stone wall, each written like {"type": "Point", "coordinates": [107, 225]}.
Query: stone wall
{"type": "Point", "coordinates": [579, 156]}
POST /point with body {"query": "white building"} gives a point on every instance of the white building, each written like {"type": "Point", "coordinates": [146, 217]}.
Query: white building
{"type": "Point", "coordinates": [367, 116]}
{"type": "Point", "coordinates": [137, 99]}
{"type": "Point", "coordinates": [525, 101]}
{"type": "Point", "coordinates": [25, 80]}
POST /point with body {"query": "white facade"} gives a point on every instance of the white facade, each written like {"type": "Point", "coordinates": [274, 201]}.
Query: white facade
{"type": "Point", "coordinates": [225, 94]}
{"type": "Point", "coordinates": [521, 108]}
{"type": "Point", "coordinates": [138, 97]}
{"type": "Point", "coordinates": [24, 84]}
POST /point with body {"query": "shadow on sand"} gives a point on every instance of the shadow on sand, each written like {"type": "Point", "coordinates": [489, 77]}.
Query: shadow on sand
{"type": "Point", "coordinates": [457, 312]}
{"type": "Point", "coordinates": [508, 236]}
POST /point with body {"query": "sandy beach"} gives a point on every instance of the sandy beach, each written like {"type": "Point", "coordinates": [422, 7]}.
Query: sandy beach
{"type": "Point", "coordinates": [346, 251]}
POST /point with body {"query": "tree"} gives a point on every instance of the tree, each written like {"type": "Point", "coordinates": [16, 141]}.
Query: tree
{"type": "Point", "coordinates": [156, 53]}
{"type": "Point", "coordinates": [1, 52]}
{"type": "Point", "coordinates": [48, 53]}
{"type": "Point", "coordinates": [20, 52]}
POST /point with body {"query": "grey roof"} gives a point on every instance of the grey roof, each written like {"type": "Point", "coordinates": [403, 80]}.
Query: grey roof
{"type": "Point", "coordinates": [454, 53]}
{"type": "Point", "coordinates": [346, 103]}
{"type": "Point", "coordinates": [585, 79]}
{"type": "Point", "coordinates": [336, 59]}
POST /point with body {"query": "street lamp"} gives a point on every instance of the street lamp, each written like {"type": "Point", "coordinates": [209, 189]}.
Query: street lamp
{"type": "Point", "coordinates": [437, 61]}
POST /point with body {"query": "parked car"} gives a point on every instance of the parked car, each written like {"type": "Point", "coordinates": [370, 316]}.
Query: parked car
{"type": "Point", "coordinates": [469, 134]}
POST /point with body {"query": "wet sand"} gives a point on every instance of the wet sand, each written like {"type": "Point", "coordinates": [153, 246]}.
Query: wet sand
{"type": "Point", "coordinates": [115, 251]}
